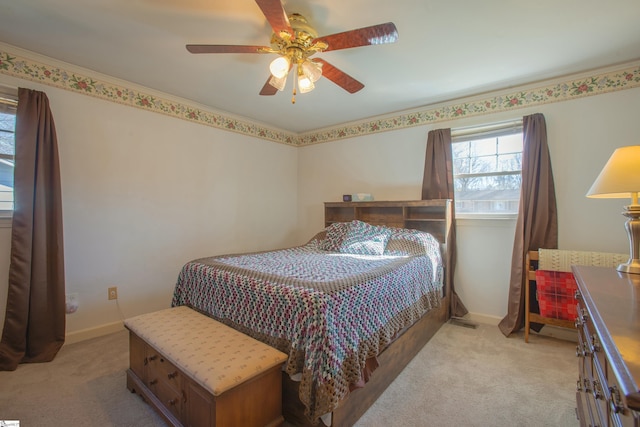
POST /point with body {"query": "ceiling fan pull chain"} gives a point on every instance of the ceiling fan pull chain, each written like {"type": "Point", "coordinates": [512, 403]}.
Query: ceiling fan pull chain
{"type": "Point", "coordinates": [293, 98]}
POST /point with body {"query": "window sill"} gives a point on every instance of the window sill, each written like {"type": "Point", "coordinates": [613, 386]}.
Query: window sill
{"type": "Point", "coordinates": [505, 216]}
{"type": "Point", "coordinates": [6, 221]}
{"type": "Point", "coordinates": [486, 220]}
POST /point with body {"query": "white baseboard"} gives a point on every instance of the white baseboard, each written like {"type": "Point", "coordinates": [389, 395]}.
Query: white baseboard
{"type": "Point", "coordinates": [483, 318]}
{"type": "Point", "coordinates": [85, 334]}
{"type": "Point", "coordinates": [547, 331]}
{"type": "Point", "coordinates": [110, 328]}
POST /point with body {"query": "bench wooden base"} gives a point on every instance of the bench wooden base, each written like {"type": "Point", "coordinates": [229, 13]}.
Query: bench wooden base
{"type": "Point", "coordinates": [183, 402]}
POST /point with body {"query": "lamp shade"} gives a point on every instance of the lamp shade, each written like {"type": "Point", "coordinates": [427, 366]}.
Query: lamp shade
{"type": "Point", "coordinates": [620, 177]}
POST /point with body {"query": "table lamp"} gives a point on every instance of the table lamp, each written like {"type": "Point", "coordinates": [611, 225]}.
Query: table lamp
{"type": "Point", "coordinates": [620, 179]}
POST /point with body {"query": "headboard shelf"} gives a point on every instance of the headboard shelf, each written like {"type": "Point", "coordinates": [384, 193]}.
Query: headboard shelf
{"type": "Point", "coordinates": [433, 216]}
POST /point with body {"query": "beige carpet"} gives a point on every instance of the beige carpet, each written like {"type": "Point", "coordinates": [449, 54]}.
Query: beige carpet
{"type": "Point", "coordinates": [463, 377]}
{"type": "Point", "coordinates": [477, 377]}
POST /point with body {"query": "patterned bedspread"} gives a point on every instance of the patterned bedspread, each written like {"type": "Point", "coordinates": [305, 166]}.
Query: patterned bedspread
{"type": "Point", "coordinates": [329, 311]}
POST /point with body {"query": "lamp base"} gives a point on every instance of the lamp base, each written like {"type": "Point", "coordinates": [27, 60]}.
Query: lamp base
{"type": "Point", "coordinates": [632, 267]}
{"type": "Point", "coordinates": [632, 225]}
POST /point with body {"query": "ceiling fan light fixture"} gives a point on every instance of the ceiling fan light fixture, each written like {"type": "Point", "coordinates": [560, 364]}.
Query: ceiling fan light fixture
{"type": "Point", "coordinates": [294, 41]}
{"type": "Point", "coordinates": [278, 82]}
{"type": "Point", "coordinates": [279, 67]}
{"type": "Point", "coordinates": [312, 70]}
{"type": "Point", "coordinates": [305, 84]}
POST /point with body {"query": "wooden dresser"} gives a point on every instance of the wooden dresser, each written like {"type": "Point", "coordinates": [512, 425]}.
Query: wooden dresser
{"type": "Point", "coordinates": [608, 323]}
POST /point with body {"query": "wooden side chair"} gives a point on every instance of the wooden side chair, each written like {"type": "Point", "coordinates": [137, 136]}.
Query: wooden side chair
{"type": "Point", "coordinates": [550, 281]}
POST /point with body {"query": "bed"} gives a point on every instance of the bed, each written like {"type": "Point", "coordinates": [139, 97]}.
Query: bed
{"type": "Point", "coordinates": [350, 308]}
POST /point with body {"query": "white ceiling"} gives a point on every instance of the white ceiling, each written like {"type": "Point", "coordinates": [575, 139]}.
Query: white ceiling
{"type": "Point", "coordinates": [447, 49]}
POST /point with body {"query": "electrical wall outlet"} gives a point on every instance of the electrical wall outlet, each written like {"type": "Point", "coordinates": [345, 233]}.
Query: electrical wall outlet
{"type": "Point", "coordinates": [72, 303]}
{"type": "Point", "coordinates": [113, 293]}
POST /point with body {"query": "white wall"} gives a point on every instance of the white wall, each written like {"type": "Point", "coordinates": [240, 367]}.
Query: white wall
{"type": "Point", "coordinates": [582, 134]}
{"type": "Point", "coordinates": [144, 193]}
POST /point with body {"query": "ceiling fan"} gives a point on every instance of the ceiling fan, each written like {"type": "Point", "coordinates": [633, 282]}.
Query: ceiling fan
{"type": "Point", "coordinates": [295, 41]}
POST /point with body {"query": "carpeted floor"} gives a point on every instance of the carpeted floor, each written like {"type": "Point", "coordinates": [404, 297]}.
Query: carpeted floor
{"type": "Point", "coordinates": [84, 386]}
{"type": "Point", "coordinates": [462, 377]}
{"type": "Point", "coordinates": [477, 377]}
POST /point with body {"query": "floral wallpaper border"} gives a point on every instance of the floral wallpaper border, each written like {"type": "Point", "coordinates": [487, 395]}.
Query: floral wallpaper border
{"type": "Point", "coordinates": [17, 66]}
{"type": "Point", "coordinates": [564, 91]}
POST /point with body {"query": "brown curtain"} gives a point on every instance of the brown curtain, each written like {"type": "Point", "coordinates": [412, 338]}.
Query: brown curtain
{"type": "Point", "coordinates": [438, 184]}
{"type": "Point", "coordinates": [537, 224]}
{"type": "Point", "coordinates": [34, 326]}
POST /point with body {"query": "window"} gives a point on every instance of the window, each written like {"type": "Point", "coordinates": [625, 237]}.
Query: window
{"type": "Point", "coordinates": [487, 169]}
{"type": "Point", "coordinates": [7, 155]}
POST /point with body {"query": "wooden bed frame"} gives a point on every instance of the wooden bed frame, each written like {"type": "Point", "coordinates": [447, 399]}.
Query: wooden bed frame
{"type": "Point", "coordinates": [434, 216]}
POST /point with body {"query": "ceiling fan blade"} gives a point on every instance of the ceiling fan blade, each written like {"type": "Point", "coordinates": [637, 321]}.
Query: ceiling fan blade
{"type": "Point", "coordinates": [376, 34]}
{"type": "Point", "coordinates": [275, 14]}
{"type": "Point", "coordinates": [267, 89]}
{"type": "Point", "coordinates": [339, 77]}
{"type": "Point", "coordinates": [226, 48]}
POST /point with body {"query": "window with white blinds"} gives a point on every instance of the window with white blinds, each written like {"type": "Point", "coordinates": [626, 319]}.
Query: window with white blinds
{"type": "Point", "coordinates": [7, 152]}
{"type": "Point", "coordinates": [487, 169]}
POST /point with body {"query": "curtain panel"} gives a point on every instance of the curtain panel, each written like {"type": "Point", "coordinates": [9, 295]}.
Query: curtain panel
{"type": "Point", "coordinates": [537, 223]}
{"type": "Point", "coordinates": [437, 183]}
{"type": "Point", "coordinates": [34, 327]}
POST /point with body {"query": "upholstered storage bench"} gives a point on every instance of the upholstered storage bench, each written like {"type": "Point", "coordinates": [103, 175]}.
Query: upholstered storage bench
{"type": "Point", "coordinates": [196, 371]}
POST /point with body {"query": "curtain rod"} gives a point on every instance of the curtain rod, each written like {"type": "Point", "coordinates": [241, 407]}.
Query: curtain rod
{"type": "Point", "coordinates": [8, 101]}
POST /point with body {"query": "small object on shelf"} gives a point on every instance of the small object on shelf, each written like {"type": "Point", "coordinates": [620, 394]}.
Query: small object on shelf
{"type": "Point", "coordinates": [346, 197]}
{"type": "Point", "coordinates": [362, 197]}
